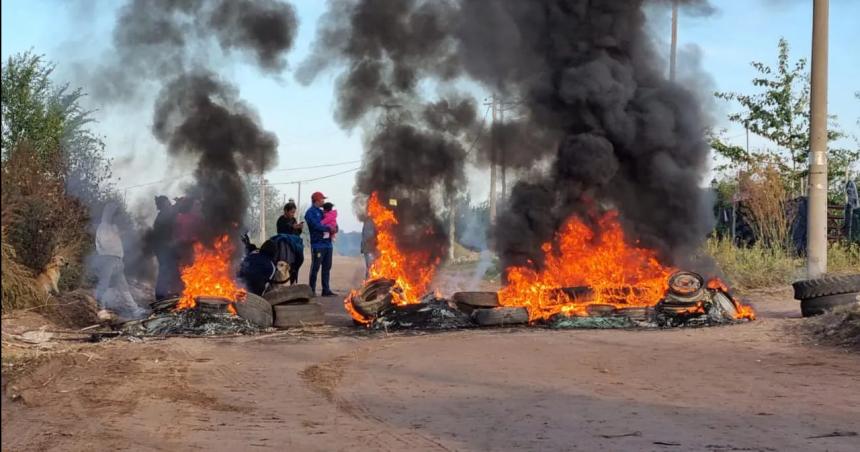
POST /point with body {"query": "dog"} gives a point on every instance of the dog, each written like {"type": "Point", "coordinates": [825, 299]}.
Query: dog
{"type": "Point", "coordinates": [50, 276]}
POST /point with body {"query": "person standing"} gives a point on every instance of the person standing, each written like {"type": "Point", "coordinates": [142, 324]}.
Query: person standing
{"type": "Point", "coordinates": [167, 283]}
{"type": "Point", "coordinates": [289, 226]}
{"type": "Point", "coordinates": [321, 246]}
{"type": "Point", "coordinates": [111, 270]}
{"type": "Point", "coordinates": [287, 223]}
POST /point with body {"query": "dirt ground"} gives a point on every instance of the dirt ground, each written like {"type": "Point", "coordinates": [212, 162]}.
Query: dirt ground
{"type": "Point", "coordinates": [755, 386]}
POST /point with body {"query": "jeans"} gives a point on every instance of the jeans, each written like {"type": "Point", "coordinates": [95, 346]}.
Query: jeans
{"type": "Point", "coordinates": [112, 276]}
{"type": "Point", "coordinates": [321, 257]}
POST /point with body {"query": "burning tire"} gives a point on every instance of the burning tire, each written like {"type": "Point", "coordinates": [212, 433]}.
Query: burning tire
{"type": "Point", "coordinates": [294, 315]}
{"type": "Point", "coordinates": [374, 297]}
{"type": "Point", "coordinates": [256, 310]}
{"type": "Point", "coordinates": [833, 285]}
{"type": "Point", "coordinates": [819, 305]}
{"type": "Point", "coordinates": [686, 284]}
{"type": "Point", "coordinates": [300, 293]}
{"type": "Point", "coordinates": [500, 316]}
{"type": "Point", "coordinates": [469, 301]}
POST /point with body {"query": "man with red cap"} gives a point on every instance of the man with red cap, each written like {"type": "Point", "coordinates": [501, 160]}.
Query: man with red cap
{"type": "Point", "coordinates": [321, 246]}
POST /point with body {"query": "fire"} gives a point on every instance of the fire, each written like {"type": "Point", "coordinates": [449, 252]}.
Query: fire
{"type": "Point", "coordinates": [617, 273]}
{"type": "Point", "coordinates": [412, 272]}
{"type": "Point", "coordinates": [744, 311]}
{"type": "Point", "coordinates": [210, 275]}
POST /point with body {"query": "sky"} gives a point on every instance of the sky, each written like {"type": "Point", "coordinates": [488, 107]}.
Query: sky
{"type": "Point", "coordinates": [75, 33]}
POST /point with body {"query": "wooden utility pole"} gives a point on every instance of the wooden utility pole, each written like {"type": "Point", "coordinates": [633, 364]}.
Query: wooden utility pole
{"type": "Point", "coordinates": [493, 146]}
{"type": "Point", "coordinates": [816, 236]}
{"type": "Point", "coordinates": [503, 151]}
{"type": "Point", "coordinates": [674, 40]}
{"type": "Point", "coordinates": [262, 209]}
{"type": "Point", "coordinates": [452, 215]}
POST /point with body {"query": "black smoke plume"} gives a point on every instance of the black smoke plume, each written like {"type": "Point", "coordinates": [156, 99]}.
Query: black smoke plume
{"type": "Point", "coordinates": [414, 150]}
{"type": "Point", "coordinates": [176, 47]}
{"type": "Point", "coordinates": [591, 96]}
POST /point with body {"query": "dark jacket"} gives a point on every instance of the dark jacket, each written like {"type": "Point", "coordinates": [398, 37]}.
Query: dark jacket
{"type": "Point", "coordinates": [287, 226]}
{"type": "Point", "coordinates": [313, 218]}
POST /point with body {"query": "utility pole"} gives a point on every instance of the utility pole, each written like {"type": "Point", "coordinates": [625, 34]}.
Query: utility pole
{"type": "Point", "coordinates": [493, 162]}
{"type": "Point", "coordinates": [816, 235]}
{"type": "Point", "coordinates": [299, 199]}
{"type": "Point", "coordinates": [674, 40]}
{"type": "Point", "coordinates": [262, 209]}
{"type": "Point", "coordinates": [503, 159]}
{"type": "Point", "coordinates": [452, 214]}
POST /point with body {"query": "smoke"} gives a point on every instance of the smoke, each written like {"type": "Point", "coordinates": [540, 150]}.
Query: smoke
{"type": "Point", "coordinates": [175, 48]}
{"type": "Point", "coordinates": [414, 149]}
{"type": "Point", "coordinates": [589, 94]}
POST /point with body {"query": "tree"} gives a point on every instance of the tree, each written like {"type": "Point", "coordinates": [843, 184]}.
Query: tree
{"type": "Point", "coordinates": [780, 113]}
{"type": "Point", "coordinates": [54, 172]}
{"type": "Point", "coordinates": [274, 207]}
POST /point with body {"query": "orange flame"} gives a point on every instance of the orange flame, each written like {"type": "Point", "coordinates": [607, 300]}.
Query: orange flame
{"type": "Point", "coordinates": [618, 274]}
{"type": "Point", "coordinates": [744, 311]}
{"type": "Point", "coordinates": [412, 271]}
{"type": "Point", "coordinates": [210, 275]}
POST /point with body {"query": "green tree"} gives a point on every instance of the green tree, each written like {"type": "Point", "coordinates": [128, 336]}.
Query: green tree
{"type": "Point", "coordinates": [779, 111]}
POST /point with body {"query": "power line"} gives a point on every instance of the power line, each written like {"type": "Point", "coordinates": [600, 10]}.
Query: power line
{"type": "Point", "coordinates": [327, 165]}
{"type": "Point", "coordinates": [315, 178]}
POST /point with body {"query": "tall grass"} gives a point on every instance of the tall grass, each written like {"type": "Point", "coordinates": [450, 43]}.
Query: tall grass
{"type": "Point", "coordinates": [759, 266]}
{"type": "Point", "coordinates": [755, 266]}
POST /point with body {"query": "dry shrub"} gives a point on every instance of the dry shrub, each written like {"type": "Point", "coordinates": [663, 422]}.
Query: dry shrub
{"type": "Point", "coordinates": [39, 220]}
{"type": "Point", "coordinates": [843, 257]}
{"type": "Point", "coordinates": [764, 190]}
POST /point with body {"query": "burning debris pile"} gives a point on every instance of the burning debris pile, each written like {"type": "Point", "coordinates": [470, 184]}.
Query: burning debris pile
{"type": "Point", "coordinates": [591, 279]}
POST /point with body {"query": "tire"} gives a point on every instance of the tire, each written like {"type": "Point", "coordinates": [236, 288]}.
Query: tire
{"type": "Point", "coordinates": [817, 306]}
{"type": "Point", "coordinates": [297, 294]}
{"type": "Point", "coordinates": [256, 310]}
{"type": "Point", "coordinates": [374, 297]}
{"type": "Point", "coordinates": [294, 315]}
{"type": "Point", "coordinates": [501, 316]}
{"type": "Point", "coordinates": [477, 299]}
{"type": "Point", "coordinates": [833, 285]}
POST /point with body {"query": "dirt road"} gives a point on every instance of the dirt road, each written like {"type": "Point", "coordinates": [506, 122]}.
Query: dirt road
{"type": "Point", "coordinates": [744, 387]}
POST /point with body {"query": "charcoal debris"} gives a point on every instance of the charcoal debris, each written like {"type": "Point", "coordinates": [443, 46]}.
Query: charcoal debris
{"type": "Point", "coordinates": [190, 322]}
{"type": "Point", "coordinates": [431, 314]}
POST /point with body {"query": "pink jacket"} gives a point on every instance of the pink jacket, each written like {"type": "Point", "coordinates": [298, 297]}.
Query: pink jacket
{"type": "Point", "coordinates": [330, 220]}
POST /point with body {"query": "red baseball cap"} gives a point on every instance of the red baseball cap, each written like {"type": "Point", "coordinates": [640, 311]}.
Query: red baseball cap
{"type": "Point", "coordinates": [317, 196]}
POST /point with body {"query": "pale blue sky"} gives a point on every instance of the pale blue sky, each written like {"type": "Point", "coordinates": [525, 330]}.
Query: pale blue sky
{"type": "Point", "coordinates": [71, 33]}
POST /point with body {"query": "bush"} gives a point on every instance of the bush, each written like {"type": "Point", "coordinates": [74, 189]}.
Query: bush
{"type": "Point", "coordinates": [758, 266]}
{"type": "Point", "coordinates": [755, 266]}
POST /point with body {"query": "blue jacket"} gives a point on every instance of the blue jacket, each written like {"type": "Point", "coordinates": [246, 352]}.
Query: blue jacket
{"type": "Point", "coordinates": [313, 217]}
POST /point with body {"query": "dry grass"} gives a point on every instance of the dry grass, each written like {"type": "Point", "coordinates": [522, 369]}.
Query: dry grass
{"type": "Point", "coordinates": [764, 191]}
{"type": "Point", "coordinates": [759, 266]}
{"type": "Point", "coordinates": [756, 266]}
{"type": "Point", "coordinates": [18, 283]}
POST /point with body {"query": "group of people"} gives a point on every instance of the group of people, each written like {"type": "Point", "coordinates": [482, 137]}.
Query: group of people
{"type": "Point", "coordinates": [176, 229]}
{"type": "Point", "coordinates": [260, 265]}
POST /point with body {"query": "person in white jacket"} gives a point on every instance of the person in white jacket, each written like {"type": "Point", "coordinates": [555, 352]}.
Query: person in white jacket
{"type": "Point", "coordinates": [111, 270]}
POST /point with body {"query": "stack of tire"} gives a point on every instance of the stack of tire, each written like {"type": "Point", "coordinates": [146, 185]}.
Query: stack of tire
{"type": "Point", "coordinates": [485, 309]}
{"type": "Point", "coordinates": [818, 296]}
{"type": "Point", "coordinates": [292, 306]}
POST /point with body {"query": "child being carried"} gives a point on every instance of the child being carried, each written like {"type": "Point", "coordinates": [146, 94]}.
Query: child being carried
{"type": "Point", "coordinates": [329, 219]}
